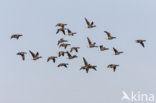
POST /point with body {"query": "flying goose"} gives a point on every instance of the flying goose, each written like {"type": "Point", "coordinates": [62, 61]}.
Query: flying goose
{"type": "Point", "coordinates": [91, 45]}
{"type": "Point", "coordinates": [22, 54]}
{"type": "Point", "coordinates": [64, 45]}
{"type": "Point", "coordinates": [74, 48]}
{"type": "Point", "coordinates": [51, 58]}
{"type": "Point", "coordinates": [61, 53]}
{"type": "Point", "coordinates": [112, 66]}
{"type": "Point", "coordinates": [63, 64]}
{"type": "Point", "coordinates": [141, 42]}
{"type": "Point", "coordinates": [102, 48]}
{"type": "Point", "coordinates": [35, 56]}
{"type": "Point", "coordinates": [70, 56]}
{"type": "Point", "coordinates": [16, 36]}
{"type": "Point", "coordinates": [90, 25]}
{"type": "Point", "coordinates": [109, 35]}
{"type": "Point", "coordinates": [61, 41]}
{"type": "Point", "coordinates": [70, 33]}
{"type": "Point", "coordinates": [116, 52]}
{"type": "Point", "coordinates": [61, 25]}
{"type": "Point", "coordinates": [87, 66]}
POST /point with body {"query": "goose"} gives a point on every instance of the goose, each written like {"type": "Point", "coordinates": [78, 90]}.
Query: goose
{"type": "Point", "coordinates": [22, 54]}
{"type": "Point", "coordinates": [64, 45]}
{"type": "Point", "coordinates": [109, 35]}
{"type": "Point", "coordinates": [61, 29]}
{"type": "Point", "coordinates": [51, 58]}
{"type": "Point", "coordinates": [16, 36]}
{"type": "Point", "coordinates": [90, 25]}
{"type": "Point", "coordinates": [63, 64]}
{"type": "Point", "coordinates": [116, 52]}
{"type": "Point", "coordinates": [35, 56]}
{"type": "Point", "coordinates": [87, 66]}
{"type": "Point", "coordinates": [61, 53]}
{"type": "Point", "coordinates": [70, 33]}
{"type": "Point", "coordinates": [61, 25]}
{"type": "Point", "coordinates": [91, 45]}
{"type": "Point", "coordinates": [61, 41]}
{"type": "Point", "coordinates": [112, 66]}
{"type": "Point", "coordinates": [70, 56]}
{"type": "Point", "coordinates": [74, 48]}
{"type": "Point", "coordinates": [141, 42]}
{"type": "Point", "coordinates": [102, 48]}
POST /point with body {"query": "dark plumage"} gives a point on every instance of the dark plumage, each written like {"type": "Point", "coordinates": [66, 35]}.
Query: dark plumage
{"type": "Point", "coordinates": [16, 36]}
{"type": "Point", "coordinates": [116, 52]}
{"type": "Point", "coordinates": [91, 45]}
{"type": "Point", "coordinates": [22, 54]}
{"type": "Point", "coordinates": [70, 56]}
{"type": "Point", "coordinates": [51, 58]}
{"type": "Point", "coordinates": [63, 64]}
{"type": "Point", "coordinates": [87, 66]}
{"type": "Point", "coordinates": [90, 25]}
{"type": "Point", "coordinates": [61, 41]}
{"type": "Point", "coordinates": [109, 35]}
{"type": "Point", "coordinates": [113, 66]}
{"type": "Point", "coordinates": [64, 45]}
{"type": "Point", "coordinates": [102, 48]}
{"type": "Point", "coordinates": [141, 42]}
{"type": "Point", "coordinates": [70, 33]}
{"type": "Point", "coordinates": [35, 56]}
{"type": "Point", "coordinates": [61, 53]}
{"type": "Point", "coordinates": [74, 48]}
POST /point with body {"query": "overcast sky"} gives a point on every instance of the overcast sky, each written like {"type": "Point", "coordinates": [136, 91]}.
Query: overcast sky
{"type": "Point", "coordinates": [41, 82]}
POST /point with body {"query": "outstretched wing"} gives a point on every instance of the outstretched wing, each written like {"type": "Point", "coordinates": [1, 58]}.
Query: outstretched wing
{"type": "Point", "coordinates": [114, 69]}
{"type": "Point", "coordinates": [142, 44]}
{"type": "Point", "coordinates": [69, 31]}
{"type": "Point", "coordinates": [48, 59]}
{"type": "Point", "coordinates": [88, 23]}
{"type": "Point", "coordinates": [89, 41]}
{"type": "Point", "coordinates": [115, 50]}
{"type": "Point", "coordinates": [33, 55]}
{"type": "Point", "coordinates": [108, 34]}
{"type": "Point", "coordinates": [68, 54]}
{"type": "Point", "coordinates": [85, 62]}
{"type": "Point", "coordinates": [23, 57]}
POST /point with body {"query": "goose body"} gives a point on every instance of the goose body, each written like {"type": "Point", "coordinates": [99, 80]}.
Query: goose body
{"type": "Point", "coordinates": [74, 48]}
{"type": "Point", "coordinates": [51, 58]}
{"type": "Point", "coordinates": [109, 35]}
{"type": "Point", "coordinates": [22, 54]}
{"type": "Point", "coordinates": [89, 25]}
{"type": "Point", "coordinates": [35, 56]}
{"type": "Point", "coordinates": [70, 56]}
{"type": "Point", "coordinates": [102, 48]}
{"type": "Point", "coordinates": [113, 66]}
{"type": "Point", "coordinates": [87, 66]}
{"type": "Point", "coordinates": [63, 64]}
{"type": "Point", "coordinates": [16, 36]}
{"type": "Point", "coordinates": [116, 52]}
{"type": "Point", "coordinates": [141, 42]}
{"type": "Point", "coordinates": [64, 45]}
{"type": "Point", "coordinates": [61, 41]}
{"type": "Point", "coordinates": [91, 45]}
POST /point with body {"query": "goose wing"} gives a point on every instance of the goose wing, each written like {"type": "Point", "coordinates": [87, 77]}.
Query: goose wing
{"type": "Point", "coordinates": [85, 62]}
{"type": "Point", "coordinates": [88, 23]}
{"type": "Point", "coordinates": [33, 55]}
{"type": "Point", "coordinates": [89, 41]}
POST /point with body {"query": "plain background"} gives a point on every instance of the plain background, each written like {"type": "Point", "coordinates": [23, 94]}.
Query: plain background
{"type": "Point", "coordinates": [41, 82]}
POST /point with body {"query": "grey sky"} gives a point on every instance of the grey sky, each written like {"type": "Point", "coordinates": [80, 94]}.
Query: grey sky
{"type": "Point", "coordinates": [42, 82]}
